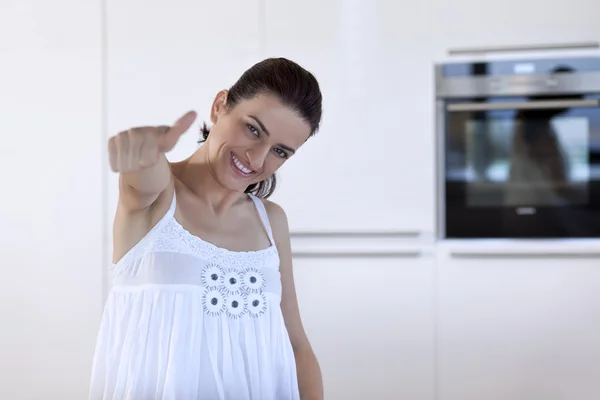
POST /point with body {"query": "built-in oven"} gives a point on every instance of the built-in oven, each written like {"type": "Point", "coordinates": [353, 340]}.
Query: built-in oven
{"type": "Point", "coordinates": [519, 148]}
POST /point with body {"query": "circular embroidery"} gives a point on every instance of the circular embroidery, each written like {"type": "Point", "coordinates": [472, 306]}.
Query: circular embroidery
{"type": "Point", "coordinates": [212, 276]}
{"type": "Point", "coordinates": [253, 280]}
{"type": "Point", "coordinates": [213, 302]}
{"type": "Point", "coordinates": [236, 305]}
{"type": "Point", "coordinates": [257, 304]}
{"type": "Point", "coordinates": [232, 281]}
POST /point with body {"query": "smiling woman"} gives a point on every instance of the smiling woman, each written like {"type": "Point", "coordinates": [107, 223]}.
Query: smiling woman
{"type": "Point", "coordinates": [274, 80]}
{"type": "Point", "coordinates": [203, 303]}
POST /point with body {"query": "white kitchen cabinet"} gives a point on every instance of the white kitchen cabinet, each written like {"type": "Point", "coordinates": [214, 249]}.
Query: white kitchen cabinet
{"type": "Point", "coordinates": [518, 326]}
{"type": "Point", "coordinates": [371, 167]}
{"type": "Point", "coordinates": [371, 323]}
{"type": "Point", "coordinates": [51, 208]}
{"type": "Point", "coordinates": [165, 58]}
{"type": "Point", "coordinates": [462, 24]}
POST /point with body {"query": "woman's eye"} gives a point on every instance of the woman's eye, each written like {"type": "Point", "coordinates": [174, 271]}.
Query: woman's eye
{"type": "Point", "coordinates": [252, 130]}
{"type": "Point", "coordinates": [281, 153]}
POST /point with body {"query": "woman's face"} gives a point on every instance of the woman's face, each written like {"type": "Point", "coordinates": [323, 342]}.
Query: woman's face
{"type": "Point", "coordinates": [248, 143]}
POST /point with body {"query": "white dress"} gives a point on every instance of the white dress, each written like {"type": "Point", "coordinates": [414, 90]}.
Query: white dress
{"type": "Point", "coordinates": [187, 320]}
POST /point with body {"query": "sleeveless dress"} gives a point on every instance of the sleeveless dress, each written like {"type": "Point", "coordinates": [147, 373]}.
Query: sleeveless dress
{"type": "Point", "coordinates": [187, 320]}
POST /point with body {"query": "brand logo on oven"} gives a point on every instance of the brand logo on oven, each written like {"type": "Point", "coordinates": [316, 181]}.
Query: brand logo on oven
{"type": "Point", "coordinates": [526, 211]}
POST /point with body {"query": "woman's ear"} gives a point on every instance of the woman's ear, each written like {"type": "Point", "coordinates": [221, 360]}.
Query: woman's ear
{"type": "Point", "coordinates": [219, 106]}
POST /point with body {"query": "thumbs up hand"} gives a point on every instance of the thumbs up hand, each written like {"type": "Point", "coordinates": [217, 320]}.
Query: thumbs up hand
{"type": "Point", "coordinates": [141, 147]}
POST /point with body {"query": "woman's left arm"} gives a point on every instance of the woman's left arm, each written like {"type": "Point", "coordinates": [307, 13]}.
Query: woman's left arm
{"type": "Point", "coordinates": [310, 381]}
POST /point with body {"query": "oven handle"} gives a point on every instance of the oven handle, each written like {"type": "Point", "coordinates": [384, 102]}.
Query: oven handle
{"type": "Point", "coordinates": [529, 105]}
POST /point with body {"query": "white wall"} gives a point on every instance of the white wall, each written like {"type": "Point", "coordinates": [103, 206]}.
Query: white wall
{"type": "Point", "coordinates": [51, 213]}
{"type": "Point", "coordinates": [402, 318]}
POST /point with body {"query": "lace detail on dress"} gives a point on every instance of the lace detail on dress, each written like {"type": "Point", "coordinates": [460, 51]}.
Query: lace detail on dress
{"type": "Point", "coordinates": [172, 237]}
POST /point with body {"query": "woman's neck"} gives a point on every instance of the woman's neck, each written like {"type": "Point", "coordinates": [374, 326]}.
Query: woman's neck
{"type": "Point", "coordinates": [197, 174]}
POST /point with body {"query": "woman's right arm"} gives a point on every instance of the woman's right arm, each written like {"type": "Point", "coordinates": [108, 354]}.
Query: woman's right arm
{"type": "Point", "coordinates": [138, 155]}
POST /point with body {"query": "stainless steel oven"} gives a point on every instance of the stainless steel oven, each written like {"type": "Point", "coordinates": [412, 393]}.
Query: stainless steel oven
{"type": "Point", "coordinates": [519, 148]}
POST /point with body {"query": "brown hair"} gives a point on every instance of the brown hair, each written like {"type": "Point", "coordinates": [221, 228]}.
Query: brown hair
{"type": "Point", "coordinates": [293, 85]}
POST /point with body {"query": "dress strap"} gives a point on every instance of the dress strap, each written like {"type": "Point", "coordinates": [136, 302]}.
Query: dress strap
{"type": "Point", "coordinates": [173, 206]}
{"type": "Point", "coordinates": [262, 212]}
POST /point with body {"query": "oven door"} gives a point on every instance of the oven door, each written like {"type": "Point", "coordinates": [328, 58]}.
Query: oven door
{"type": "Point", "coordinates": [521, 168]}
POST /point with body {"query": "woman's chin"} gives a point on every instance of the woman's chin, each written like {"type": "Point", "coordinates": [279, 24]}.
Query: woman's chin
{"type": "Point", "coordinates": [236, 184]}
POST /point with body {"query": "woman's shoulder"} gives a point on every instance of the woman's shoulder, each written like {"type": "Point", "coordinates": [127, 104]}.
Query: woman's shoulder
{"type": "Point", "coordinates": [274, 210]}
{"type": "Point", "coordinates": [277, 219]}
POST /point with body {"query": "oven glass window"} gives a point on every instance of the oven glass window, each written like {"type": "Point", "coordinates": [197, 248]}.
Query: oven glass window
{"type": "Point", "coordinates": [515, 162]}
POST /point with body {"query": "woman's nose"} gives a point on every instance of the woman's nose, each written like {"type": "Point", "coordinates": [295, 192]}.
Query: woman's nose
{"type": "Point", "coordinates": [257, 155]}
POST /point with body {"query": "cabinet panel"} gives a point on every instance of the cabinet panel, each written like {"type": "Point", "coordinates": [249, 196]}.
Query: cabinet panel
{"type": "Point", "coordinates": [472, 23]}
{"type": "Point", "coordinates": [370, 168]}
{"type": "Point", "coordinates": [519, 328]}
{"type": "Point", "coordinates": [371, 324]}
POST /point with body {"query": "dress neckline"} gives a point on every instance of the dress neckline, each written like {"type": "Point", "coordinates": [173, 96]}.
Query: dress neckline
{"type": "Point", "coordinates": [260, 211]}
{"type": "Point", "coordinates": [213, 246]}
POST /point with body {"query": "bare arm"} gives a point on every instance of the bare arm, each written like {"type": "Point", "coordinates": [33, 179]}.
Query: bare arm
{"type": "Point", "coordinates": [139, 190]}
{"type": "Point", "coordinates": [139, 155]}
{"type": "Point", "coordinates": [310, 381]}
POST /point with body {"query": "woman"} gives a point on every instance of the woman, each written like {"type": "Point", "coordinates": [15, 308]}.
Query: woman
{"type": "Point", "coordinates": [203, 304]}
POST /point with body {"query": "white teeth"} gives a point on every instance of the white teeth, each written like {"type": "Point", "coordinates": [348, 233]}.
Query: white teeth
{"type": "Point", "coordinates": [240, 165]}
